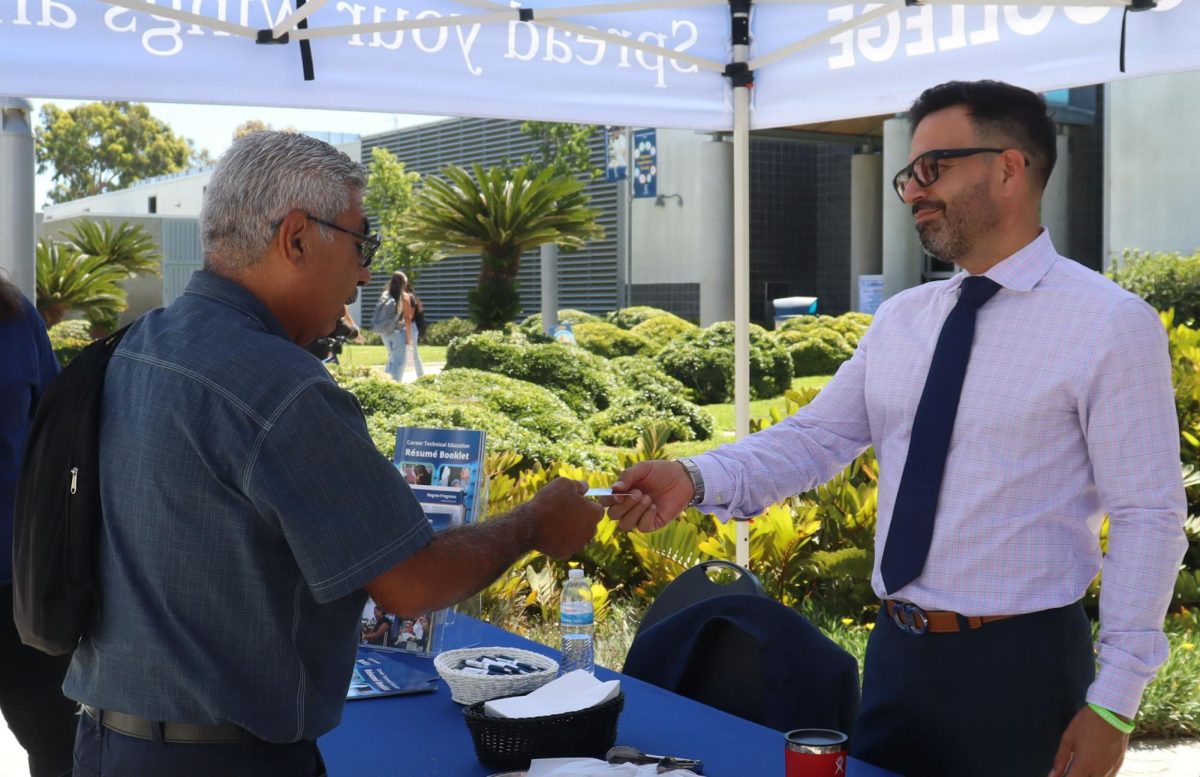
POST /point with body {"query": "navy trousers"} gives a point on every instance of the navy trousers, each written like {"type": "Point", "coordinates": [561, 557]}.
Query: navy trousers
{"type": "Point", "coordinates": [993, 702]}
{"type": "Point", "coordinates": [100, 752]}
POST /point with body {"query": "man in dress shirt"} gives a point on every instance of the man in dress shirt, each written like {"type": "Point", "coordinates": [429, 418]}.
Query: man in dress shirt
{"type": "Point", "coordinates": [1066, 413]}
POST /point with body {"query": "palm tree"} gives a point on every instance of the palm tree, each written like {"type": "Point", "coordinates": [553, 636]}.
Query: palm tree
{"type": "Point", "coordinates": [129, 246]}
{"type": "Point", "coordinates": [500, 213]}
{"type": "Point", "coordinates": [70, 280]}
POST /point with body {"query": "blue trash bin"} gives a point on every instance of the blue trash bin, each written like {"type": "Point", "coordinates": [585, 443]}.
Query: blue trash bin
{"type": "Point", "coordinates": [791, 307]}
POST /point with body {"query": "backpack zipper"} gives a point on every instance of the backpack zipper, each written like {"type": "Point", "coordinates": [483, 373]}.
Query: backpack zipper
{"type": "Point", "coordinates": [74, 478]}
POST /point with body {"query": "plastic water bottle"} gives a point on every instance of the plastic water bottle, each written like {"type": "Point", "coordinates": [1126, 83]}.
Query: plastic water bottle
{"type": "Point", "coordinates": [577, 622]}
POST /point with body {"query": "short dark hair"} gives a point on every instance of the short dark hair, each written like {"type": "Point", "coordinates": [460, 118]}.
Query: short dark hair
{"type": "Point", "coordinates": [11, 303]}
{"type": "Point", "coordinates": [1018, 114]}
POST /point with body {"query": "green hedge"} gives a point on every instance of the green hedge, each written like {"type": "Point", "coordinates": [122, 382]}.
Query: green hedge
{"type": "Point", "coordinates": [628, 318]}
{"type": "Point", "coordinates": [610, 341]}
{"type": "Point", "coordinates": [531, 326]}
{"type": "Point", "coordinates": [579, 378]}
{"type": "Point", "coordinates": [529, 406]}
{"type": "Point", "coordinates": [68, 338]}
{"type": "Point", "coordinates": [661, 330]}
{"type": "Point", "coordinates": [703, 361]}
{"type": "Point", "coordinates": [816, 351]}
{"type": "Point", "coordinates": [1164, 280]}
{"type": "Point", "coordinates": [442, 332]}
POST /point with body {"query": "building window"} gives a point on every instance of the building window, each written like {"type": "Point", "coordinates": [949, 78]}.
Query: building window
{"type": "Point", "coordinates": [152, 205]}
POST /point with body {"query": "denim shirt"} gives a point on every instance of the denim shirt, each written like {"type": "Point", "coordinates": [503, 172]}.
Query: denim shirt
{"type": "Point", "coordinates": [245, 507]}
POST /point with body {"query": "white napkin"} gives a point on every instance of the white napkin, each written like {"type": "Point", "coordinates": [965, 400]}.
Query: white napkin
{"type": "Point", "coordinates": [590, 767]}
{"type": "Point", "coordinates": [576, 690]}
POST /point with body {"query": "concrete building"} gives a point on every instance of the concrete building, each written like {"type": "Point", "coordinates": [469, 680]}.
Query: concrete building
{"type": "Point", "coordinates": [822, 210]}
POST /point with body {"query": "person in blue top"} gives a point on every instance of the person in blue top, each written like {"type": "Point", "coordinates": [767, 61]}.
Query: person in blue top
{"type": "Point", "coordinates": [31, 698]}
{"type": "Point", "coordinates": [247, 514]}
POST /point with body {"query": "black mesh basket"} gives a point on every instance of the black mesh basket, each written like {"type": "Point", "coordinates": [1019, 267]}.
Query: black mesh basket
{"type": "Point", "coordinates": [511, 743]}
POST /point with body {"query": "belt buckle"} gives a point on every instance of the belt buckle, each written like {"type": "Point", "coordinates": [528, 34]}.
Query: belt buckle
{"type": "Point", "coordinates": [910, 618]}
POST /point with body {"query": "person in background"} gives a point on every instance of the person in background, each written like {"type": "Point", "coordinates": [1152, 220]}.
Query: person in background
{"type": "Point", "coordinates": [418, 324]}
{"type": "Point", "coordinates": [404, 332]}
{"type": "Point", "coordinates": [229, 632]}
{"type": "Point", "coordinates": [995, 473]}
{"type": "Point", "coordinates": [31, 699]}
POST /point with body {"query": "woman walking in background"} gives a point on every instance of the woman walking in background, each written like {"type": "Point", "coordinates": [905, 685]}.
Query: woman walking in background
{"type": "Point", "coordinates": [394, 320]}
{"type": "Point", "coordinates": [31, 698]}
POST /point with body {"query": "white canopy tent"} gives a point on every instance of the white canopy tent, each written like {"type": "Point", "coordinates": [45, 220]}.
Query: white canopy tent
{"type": "Point", "coordinates": [723, 65]}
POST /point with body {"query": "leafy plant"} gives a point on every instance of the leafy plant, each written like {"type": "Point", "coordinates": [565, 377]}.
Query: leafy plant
{"type": "Point", "coordinates": [442, 332]}
{"type": "Point", "coordinates": [628, 318]}
{"type": "Point", "coordinates": [68, 338]}
{"type": "Point", "coordinates": [70, 280]}
{"type": "Point", "coordinates": [702, 360]}
{"type": "Point", "coordinates": [500, 213]}
{"type": "Point", "coordinates": [609, 341]}
{"type": "Point", "coordinates": [1168, 281]}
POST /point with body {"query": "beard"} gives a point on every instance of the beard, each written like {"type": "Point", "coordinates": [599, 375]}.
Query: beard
{"type": "Point", "coordinates": [954, 236]}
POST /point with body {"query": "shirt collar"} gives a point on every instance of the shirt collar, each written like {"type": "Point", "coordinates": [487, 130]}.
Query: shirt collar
{"type": "Point", "coordinates": [216, 287]}
{"type": "Point", "coordinates": [1020, 271]}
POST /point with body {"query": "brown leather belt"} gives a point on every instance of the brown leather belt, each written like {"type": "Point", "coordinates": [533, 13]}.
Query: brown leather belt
{"type": "Point", "coordinates": [175, 733]}
{"type": "Point", "coordinates": [914, 620]}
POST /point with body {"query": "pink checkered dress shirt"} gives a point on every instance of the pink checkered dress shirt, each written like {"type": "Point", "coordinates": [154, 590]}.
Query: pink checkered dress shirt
{"type": "Point", "coordinates": [1067, 412]}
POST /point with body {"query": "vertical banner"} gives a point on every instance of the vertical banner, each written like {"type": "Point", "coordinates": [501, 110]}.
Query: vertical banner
{"type": "Point", "coordinates": [645, 163]}
{"type": "Point", "coordinates": [616, 153]}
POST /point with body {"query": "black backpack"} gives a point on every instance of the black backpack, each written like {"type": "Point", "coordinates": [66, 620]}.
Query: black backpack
{"type": "Point", "coordinates": [56, 526]}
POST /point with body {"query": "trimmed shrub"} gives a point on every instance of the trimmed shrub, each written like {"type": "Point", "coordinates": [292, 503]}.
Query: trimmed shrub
{"type": "Point", "coordinates": [650, 404]}
{"type": "Point", "coordinates": [531, 326]}
{"type": "Point", "coordinates": [579, 378]}
{"type": "Point", "coordinates": [529, 406]}
{"type": "Point", "coordinates": [1164, 280]}
{"type": "Point", "coordinates": [628, 318]}
{"type": "Point", "coordinates": [380, 395]}
{"type": "Point", "coordinates": [804, 323]}
{"type": "Point", "coordinates": [816, 351]}
{"type": "Point", "coordinates": [660, 330]}
{"type": "Point", "coordinates": [442, 332]}
{"type": "Point", "coordinates": [703, 362]}
{"type": "Point", "coordinates": [610, 341]}
{"type": "Point", "coordinates": [68, 338]}
{"type": "Point", "coordinates": [635, 372]}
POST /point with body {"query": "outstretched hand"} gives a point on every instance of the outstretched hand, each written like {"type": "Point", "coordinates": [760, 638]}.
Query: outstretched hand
{"type": "Point", "coordinates": [658, 493]}
{"type": "Point", "coordinates": [564, 520]}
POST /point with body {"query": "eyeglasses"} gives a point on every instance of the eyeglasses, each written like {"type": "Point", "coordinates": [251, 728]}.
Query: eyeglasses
{"type": "Point", "coordinates": [924, 169]}
{"type": "Point", "coordinates": [367, 244]}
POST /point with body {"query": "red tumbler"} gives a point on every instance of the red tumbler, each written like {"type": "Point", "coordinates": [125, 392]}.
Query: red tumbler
{"type": "Point", "coordinates": [815, 752]}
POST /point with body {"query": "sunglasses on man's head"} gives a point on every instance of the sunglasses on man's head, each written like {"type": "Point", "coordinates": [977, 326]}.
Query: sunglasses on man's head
{"type": "Point", "coordinates": [924, 169]}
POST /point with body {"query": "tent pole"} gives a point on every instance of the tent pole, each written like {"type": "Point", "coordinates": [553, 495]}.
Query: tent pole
{"type": "Point", "coordinates": [741, 81]}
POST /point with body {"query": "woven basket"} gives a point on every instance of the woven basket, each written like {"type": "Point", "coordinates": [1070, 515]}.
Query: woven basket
{"type": "Point", "coordinates": [469, 688]}
{"type": "Point", "coordinates": [511, 743]}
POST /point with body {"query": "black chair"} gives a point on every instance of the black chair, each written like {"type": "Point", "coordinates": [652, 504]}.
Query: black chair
{"type": "Point", "coordinates": [696, 585]}
{"type": "Point", "coordinates": [752, 657]}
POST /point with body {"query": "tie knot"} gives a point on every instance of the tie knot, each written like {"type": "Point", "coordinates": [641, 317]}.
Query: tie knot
{"type": "Point", "coordinates": [976, 290]}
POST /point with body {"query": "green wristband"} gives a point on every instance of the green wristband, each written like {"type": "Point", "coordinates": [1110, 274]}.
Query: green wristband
{"type": "Point", "coordinates": [1111, 719]}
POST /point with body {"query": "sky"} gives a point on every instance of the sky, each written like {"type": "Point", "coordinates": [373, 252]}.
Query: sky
{"type": "Point", "coordinates": [211, 126]}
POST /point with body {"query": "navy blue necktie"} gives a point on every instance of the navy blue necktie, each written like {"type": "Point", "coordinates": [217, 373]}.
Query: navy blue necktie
{"type": "Point", "coordinates": [911, 529]}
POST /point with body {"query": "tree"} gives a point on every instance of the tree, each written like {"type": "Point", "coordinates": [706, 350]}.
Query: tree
{"type": "Point", "coordinates": [500, 213]}
{"type": "Point", "coordinates": [105, 146]}
{"type": "Point", "coordinates": [70, 280]}
{"type": "Point", "coordinates": [129, 247]}
{"type": "Point", "coordinates": [565, 148]}
{"type": "Point", "coordinates": [388, 201]}
{"type": "Point", "coordinates": [255, 125]}
{"type": "Point", "coordinates": [84, 268]}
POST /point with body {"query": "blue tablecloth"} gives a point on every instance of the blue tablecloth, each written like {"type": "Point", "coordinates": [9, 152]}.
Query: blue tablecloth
{"type": "Point", "coordinates": [424, 735]}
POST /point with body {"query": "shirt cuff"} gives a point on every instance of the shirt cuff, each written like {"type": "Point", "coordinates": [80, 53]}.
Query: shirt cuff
{"type": "Point", "coordinates": [718, 487]}
{"type": "Point", "coordinates": [1118, 691]}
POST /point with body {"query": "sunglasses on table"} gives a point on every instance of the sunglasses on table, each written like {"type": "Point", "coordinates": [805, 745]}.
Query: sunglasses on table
{"type": "Point", "coordinates": [924, 169]}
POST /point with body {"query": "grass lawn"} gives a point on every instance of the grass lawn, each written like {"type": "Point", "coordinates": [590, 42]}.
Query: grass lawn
{"type": "Point", "coordinates": [376, 355]}
{"type": "Point", "coordinates": [724, 418]}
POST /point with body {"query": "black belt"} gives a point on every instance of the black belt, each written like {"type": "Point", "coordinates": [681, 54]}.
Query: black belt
{"type": "Point", "coordinates": [175, 733]}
